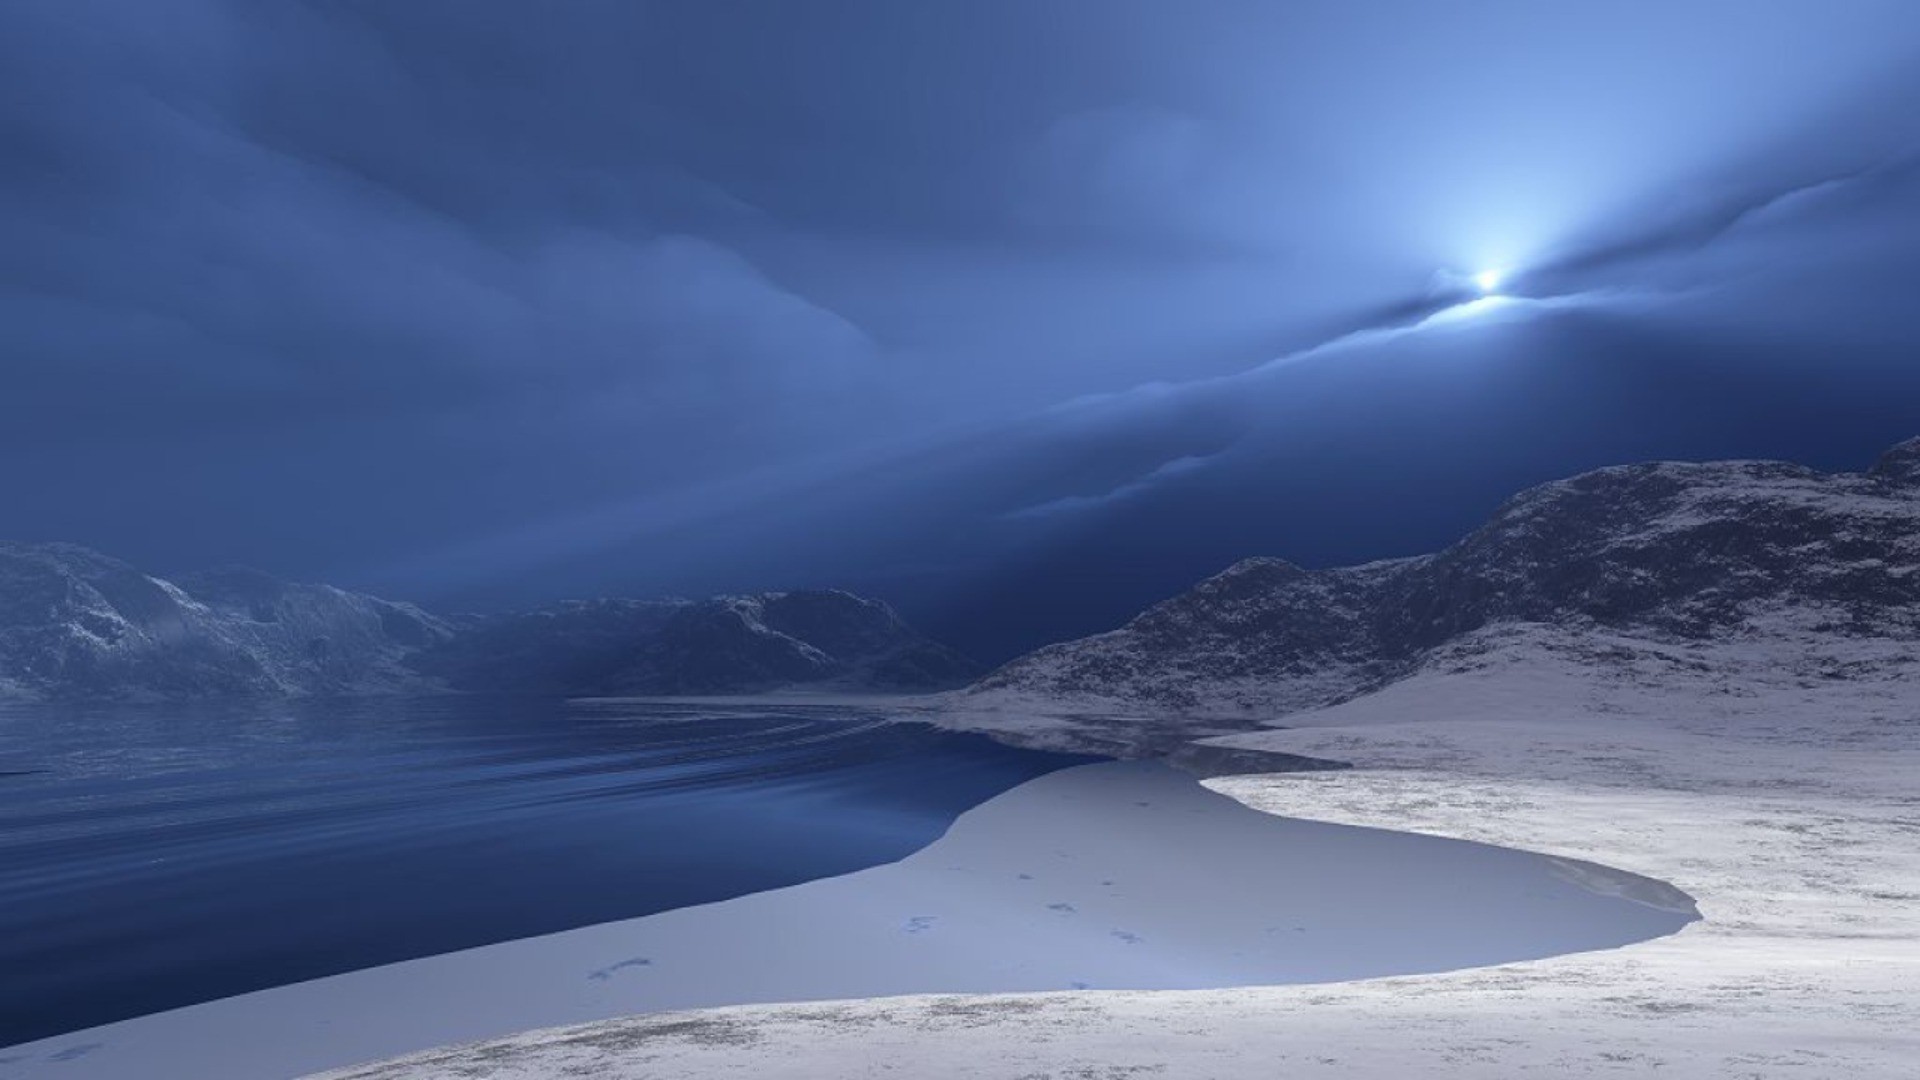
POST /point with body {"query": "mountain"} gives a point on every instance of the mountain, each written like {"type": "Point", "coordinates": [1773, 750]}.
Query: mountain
{"type": "Point", "coordinates": [78, 624]}
{"type": "Point", "coordinates": [75, 623]}
{"type": "Point", "coordinates": [730, 644]}
{"type": "Point", "coordinates": [1817, 572]}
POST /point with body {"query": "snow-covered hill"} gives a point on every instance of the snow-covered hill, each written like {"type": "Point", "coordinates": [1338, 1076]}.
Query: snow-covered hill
{"type": "Point", "coordinates": [77, 624]}
{"type": "Point", "coordinates": [1804, 565]}
{"type": "Point", "coordinates": [1783, 802]}
{"type": "Point", "coordinates": [1708, 675]}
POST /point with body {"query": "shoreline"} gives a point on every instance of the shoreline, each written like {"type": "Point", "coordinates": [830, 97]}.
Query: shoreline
{"type": "Point", "coordinates": [1109, 875]}
{"type": "Point", "coordinates": [168, 858]}
{"type": "Point", "coordinates": [1785, 806]}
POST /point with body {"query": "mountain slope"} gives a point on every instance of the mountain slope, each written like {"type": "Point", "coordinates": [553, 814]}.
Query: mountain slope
{"type": "Point", "coordinates": [1729, 552]}
{"type": "Point", "coordinates": [77, 624]}
{"type": "Point", "coordinates": [730, 644]}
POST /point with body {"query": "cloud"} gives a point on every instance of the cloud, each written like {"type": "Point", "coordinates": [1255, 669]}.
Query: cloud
{"type": "Point", "coordinates": [634, 295]}
{"type": "Point", "coordinates": [1073, 504]}
{"type": "Point", "coordinates": [1135, 171]}
{"type": "Point", "coordinates": [178, 244]}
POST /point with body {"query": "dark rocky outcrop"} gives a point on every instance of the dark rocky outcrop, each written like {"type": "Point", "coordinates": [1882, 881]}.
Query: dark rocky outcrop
{"type": "Point", "coordinates": [77, 624]}
{"type": "Point", "coordinates": [1663, 552]}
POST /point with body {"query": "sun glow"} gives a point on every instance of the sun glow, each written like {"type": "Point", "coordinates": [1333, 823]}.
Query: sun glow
{"type": "Point", "coordinates": [1488, 281]}
{"type": "Point", "coordinates": [1469, 310]}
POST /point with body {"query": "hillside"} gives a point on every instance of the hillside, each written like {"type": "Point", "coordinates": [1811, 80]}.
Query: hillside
{"type": "Point", "coordinates": [75, 624]}
{"type": "Point", "coordinates": [1770, 557]}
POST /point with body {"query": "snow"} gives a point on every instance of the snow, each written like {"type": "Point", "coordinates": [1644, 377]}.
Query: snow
{"type": "Point", "coordinates": [1786, 804]}
{"type": "Point", "coordinates": [1125, 874]}
{"type": "Point", "coordinates": [1668, 552]}
{"type": "Point", "coordinates": [1705, 676]}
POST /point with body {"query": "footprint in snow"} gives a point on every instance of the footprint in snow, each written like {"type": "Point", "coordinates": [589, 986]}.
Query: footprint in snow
{"type": "Point", "coordinates": [919, 924]}
{"type": "Point", "coordinates": [1064, 909]}
{"type": "Point", "coordinates": [606, 973]}
{"type": "Point", "coordinates": [1128, 936]}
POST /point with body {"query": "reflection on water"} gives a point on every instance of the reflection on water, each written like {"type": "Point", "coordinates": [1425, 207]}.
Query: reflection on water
{"type": "Point", "coordinates": [156, 856]}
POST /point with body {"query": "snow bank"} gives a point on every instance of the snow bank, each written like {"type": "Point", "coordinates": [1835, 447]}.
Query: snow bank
{"type": "Point", "coordinates": [1784, 800]}
{"type": "Point", "coordinates": [1119, 875]}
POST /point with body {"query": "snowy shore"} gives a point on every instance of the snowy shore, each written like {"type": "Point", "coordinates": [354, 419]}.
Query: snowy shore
{"type": "Point", "coordinates": [1787, 806]}
{"type": "Point", "coordinates": [1118, 875]}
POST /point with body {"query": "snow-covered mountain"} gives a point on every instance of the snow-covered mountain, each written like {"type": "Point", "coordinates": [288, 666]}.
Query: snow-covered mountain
{"type": "Point", "coordinates": [729, 644]}
{"type": "Point", "coordinates": [78, 624]}
{"type": "Point", "coordinates": [75, 623]}
{"type": "Point", "coordinates": [1820, 572]}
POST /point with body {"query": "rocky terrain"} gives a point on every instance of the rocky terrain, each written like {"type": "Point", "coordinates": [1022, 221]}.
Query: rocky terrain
{"type": "Point", "coordinates": [75, 623]}
{"type": "Point", "coordinates": [78, 624]}
{"type": "Point", "coordinates": [1734, 553]}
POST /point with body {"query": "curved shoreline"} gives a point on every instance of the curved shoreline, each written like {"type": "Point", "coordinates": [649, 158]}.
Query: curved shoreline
{"type": "Point", "coordinates": [1110, 875]}
{"type": "Point", "coordinates": [170, 856]}
{"type": "Point", "coordinates": [1787, 807]}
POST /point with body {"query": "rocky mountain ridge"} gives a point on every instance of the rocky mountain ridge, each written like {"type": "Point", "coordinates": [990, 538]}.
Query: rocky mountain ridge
{"type": "Point", "coordinates": [728, 644]}
{"type": "Point", "coordinates": [75, 623]}
{"type": "Point", "coordinates": [78, 624]}
{"type": "Point", "coordinates": [1743, 553]}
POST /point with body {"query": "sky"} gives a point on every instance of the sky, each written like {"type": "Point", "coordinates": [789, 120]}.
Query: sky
{"type": "Point", "coordinates": [1020, 314]}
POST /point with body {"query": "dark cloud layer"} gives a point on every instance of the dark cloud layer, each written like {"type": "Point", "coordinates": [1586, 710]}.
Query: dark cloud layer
{"type": "Point", "coordinates": [974, 305]}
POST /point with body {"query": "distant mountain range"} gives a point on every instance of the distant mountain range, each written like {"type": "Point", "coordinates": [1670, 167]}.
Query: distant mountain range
{"type": "Point", "coordinates": [1724, 563]}
{"type": "Point", "coordinates": [78, 624]}
{"type": "Point", "coordinates": [1816, 573]}
{"type": "Point", "coordinates": [820, 638]}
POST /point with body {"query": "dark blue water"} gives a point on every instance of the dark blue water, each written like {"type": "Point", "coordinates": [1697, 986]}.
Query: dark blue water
{"type": "Point", "coordinates": [154, 857]}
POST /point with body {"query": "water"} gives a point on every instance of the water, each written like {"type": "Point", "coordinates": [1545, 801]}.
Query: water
{"type": "Point", "coordinates": [153, 857]}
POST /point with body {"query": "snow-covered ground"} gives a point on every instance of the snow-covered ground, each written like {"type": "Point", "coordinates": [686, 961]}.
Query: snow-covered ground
{"type": "Point", "coordinates": [1787, 803]}
{"type": "Point", "coordinates": [1127, 874]}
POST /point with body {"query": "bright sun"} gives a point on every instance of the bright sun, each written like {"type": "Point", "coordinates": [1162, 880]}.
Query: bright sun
{"type": "Point", "coordinates": [1487, 280]}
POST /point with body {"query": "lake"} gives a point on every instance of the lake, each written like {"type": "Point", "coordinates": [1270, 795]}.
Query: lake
{"type": "Point", "coordinates": [158, 856]}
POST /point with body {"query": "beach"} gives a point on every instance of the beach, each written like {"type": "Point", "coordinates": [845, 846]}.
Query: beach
{"type": "Point", "coordinates": [1115, 876]}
